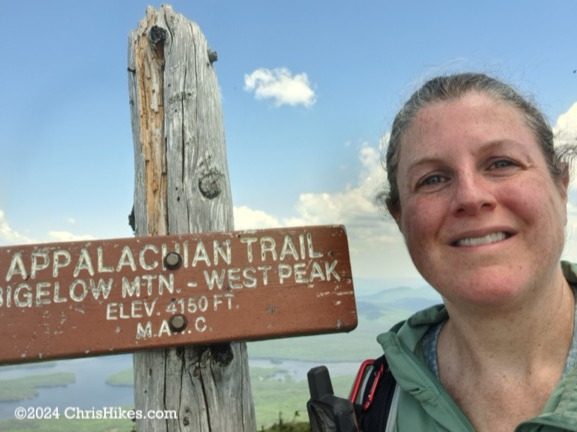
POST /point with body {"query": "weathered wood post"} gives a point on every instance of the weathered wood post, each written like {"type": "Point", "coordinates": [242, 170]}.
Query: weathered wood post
{"type": "Point", "coordinates": [182, 186]}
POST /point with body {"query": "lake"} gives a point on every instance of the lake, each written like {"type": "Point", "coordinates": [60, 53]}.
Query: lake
{"type": "Point", "coordinates": [91, 391]}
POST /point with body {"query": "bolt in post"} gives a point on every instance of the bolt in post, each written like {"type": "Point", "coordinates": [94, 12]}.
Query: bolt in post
{"type": "Point", "coordinates": [172, 261]}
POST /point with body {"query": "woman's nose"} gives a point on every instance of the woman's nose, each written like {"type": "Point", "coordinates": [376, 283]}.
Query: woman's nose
{"type": "Point", "coordinates": [472, 193]}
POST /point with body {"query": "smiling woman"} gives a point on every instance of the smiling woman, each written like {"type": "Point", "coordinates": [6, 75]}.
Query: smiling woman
{"type": "Point", "coordinates": [480, 194]}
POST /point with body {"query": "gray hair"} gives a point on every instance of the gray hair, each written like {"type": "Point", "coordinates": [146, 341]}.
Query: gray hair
{"type": "Point", "coordinates": [452, 87]}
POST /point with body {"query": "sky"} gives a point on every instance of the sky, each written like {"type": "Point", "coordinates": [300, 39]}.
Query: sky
{"type": "Point", "coordinates": [309, 90]}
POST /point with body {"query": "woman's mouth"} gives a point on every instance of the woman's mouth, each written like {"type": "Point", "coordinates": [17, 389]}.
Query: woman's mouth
{"type": "Point", "coordinates": [483, 240]}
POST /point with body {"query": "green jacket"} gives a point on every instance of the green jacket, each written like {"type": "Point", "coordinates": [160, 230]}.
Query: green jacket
{"type": "Point", "coordinates": [423, 403]}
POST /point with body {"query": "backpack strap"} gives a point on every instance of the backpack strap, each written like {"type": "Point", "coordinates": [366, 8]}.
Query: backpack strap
{"type": "Point", "coordinates": [373, 394]}
{"type": "Point", "coordinates": [372, 399]}
{"type": "Point", "coordinates": [327, 412]}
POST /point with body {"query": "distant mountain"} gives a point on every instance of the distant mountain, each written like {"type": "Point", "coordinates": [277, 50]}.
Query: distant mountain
{"type": "Point", "coordinates": [374, 306]}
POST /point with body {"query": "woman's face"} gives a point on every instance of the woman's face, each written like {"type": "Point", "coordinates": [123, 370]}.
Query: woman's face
{"type": "Point", "coordinates": [481, 215]}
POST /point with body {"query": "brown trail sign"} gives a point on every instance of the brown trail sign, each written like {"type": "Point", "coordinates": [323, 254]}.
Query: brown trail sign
{"type": "Point", "coordinates": [75, 299]}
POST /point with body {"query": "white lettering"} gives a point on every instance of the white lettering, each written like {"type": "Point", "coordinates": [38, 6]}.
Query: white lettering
{"type": "Point", "coordinates": [83, 293]}
{"type": "Point", "coordinates": [164, 329]}
{"type": "Point", "coordinates": [267, 244]}
{"type": "Point", "coordinates": [264, 270]}
{"type": "Point", "coordinates": [57, 298]}
{"type": "Point", "coordinates": [57, 264]}
{"type": "Point", "coordinates": [250, 280]}
{"type": "Point", "coordinates": [144, 332]}
{"type": "Point", "coordinates": [300, 273]}
{"type": "Point", "coordinates": [316, 272]}
{"type": "Point", "coordinates": [84, 263]}
{"type": "Point", "coordinates": [308, 272]}
{"type": "Point", "coordinates": [16, 267]}
{"type": "Point", "coordinates": [126, 259]}
{"type": "Point", "coordinates": [200, 254]}
{"type": "Point", "coordinates": [200, 324]}
{"type": "Point", "coordinates": [100, 260]}
{"type": "Point", "coordinates": [330, 270]}
{"type": "Point", "coordinates": [42, 290]}
{"type": "Point", "coordinates": [131, 289]}
{"type": "Point", "coordinates": [312, 253]}
{"type": "Point", "coordinates": [288, 248]}
{"type": "Point", "coordinates": [164, 283]}
{"type": "Point", "coordinates": [40, 261]}
{"type": "Point", "coordinates": [26, 301]}
{"type": "Point", "coordinates": [233, 275]}
{"type": "Point", "coordinates": [249, 241]}
{"type": "Point", "coordinates": [224, 253]}
{"type": "Point", "coordinates": [111, 308]}
{"type": "Point", "coordinates": [103, 287]}
{"type": "Point", "coordinates": [214, 278]}
{"type": "Point", "coordinates": [145, 265]}
{"type": "Point", "coordinates": [284, 272]}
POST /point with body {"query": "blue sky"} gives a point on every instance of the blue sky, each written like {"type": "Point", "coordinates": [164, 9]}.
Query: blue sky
{"type": "Point", "coordinates": [308, 90]}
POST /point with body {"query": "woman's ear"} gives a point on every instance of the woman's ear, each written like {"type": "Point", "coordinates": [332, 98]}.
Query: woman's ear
{"type": "Point", "coordinates": [563, 182]}
{"type": "Point", "coordinates": [395, 212]}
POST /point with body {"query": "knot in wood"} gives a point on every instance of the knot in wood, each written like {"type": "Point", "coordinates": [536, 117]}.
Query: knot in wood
{"type": "Point", "coordinates": [222, 354]}
{"type": "Point", "coordinates": [156, 35]}
{"type": "Point", "coordinates": [132, 220]}
{"type": "Point", "coordinates": [212, 56]}
{"type": "Point", "coordinates": [210, 184]}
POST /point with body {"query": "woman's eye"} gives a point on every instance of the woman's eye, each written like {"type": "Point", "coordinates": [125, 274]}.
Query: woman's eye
{"type": "Point", "coordinates": [502, 163]}
{"type": "Point", "coordinates": [432, 180]}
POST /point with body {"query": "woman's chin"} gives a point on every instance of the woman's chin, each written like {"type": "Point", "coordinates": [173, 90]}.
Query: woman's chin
{"type": "Point", "coordinates": [494, 292]}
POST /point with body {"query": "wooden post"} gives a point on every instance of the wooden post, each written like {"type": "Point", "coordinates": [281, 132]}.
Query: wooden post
{"type": "Point", "coordinates": [182, 186]}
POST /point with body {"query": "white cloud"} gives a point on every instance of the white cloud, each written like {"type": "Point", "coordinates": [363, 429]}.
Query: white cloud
{"type": "Point", "coordinates": [570, 250]}
{"type": "Point", "coordinates": [566, 127]}
{"type": "Point", "coordinates": [281, 86]}
{"type": "Point", "coordinates": [356, 204]}
{"type": "Point", "coordinates": [8, 235]}
{"type": "Point", "coordinates": [565, 131]}
{"type": "Point", "coordinates": [246, 218]}
{"type": "Point", "coordinates": [65, 236]}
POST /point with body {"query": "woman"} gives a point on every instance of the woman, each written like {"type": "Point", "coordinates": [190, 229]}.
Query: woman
{"type": "Point", "coordinates": [480, 195]}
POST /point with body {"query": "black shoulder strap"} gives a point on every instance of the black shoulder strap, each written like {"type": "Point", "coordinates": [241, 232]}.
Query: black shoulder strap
{"type": "Point", "coordinates": [327, 412]}
{"type": "Point", "coordinates": [373, 411]}
{"type": "Point", "coordinates": [368, 407]}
